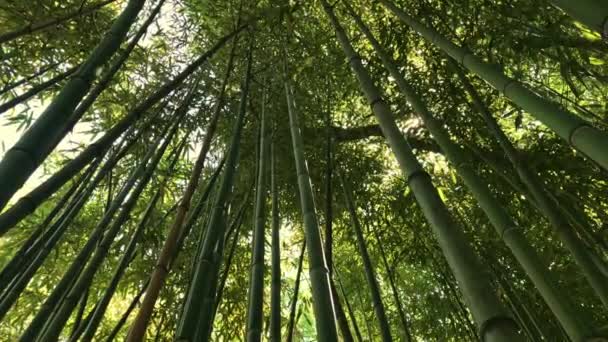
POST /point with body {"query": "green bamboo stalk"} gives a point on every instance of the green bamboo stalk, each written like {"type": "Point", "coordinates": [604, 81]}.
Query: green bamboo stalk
{"type": "Point", "coordinates": [37, 89]}
{"type": "Point", "coordinates": [493, 322]}
{"type": "Point", "coordinates": [123, 319]}
{"type": "Point", "coordinates": [32, 244]}
{"type": "Point", "coordinates": [32, 148]}
{"type": "Point", "coordinates": [213, 294]}
{"type": "Point", "coordinates": [593, 13]}
{"type": "Point", "coordinates": [321, 293]}
{"type": "Point", "coordinates": [188, 321]}
{"type": "Point", "coordinates": [62, 288]}
{"type": "Point", "coordinates": [370, 273]}
{"type": "Point", "coordinates": [45, 245]}
{"type": "Point", "coordinates": [39, 26]}
{"type": "Point", "coordinates": [275, 284]}
{"type": "Point", "coordinates": [351, 312]}
{"type": "Point", "coordinates": [170, 247]}
{"type": "Point", "coordinates": [406, 335]}
{"type": "Point", "coordinates": [558, 221]}
{"type": "Point", "coordinates": [89, 331]}
{"type": "Point", "coordinates": [196, 213]}
{"type": "Point", "coordinates": [62, 313]}
{"type": "Point", "coordinates": [328, 194]}
{"type": "Point", "coordinates": [341, 319]}
{"type": "Point", "coordinates": [236, 226]}
{"type": "Point", "coordinates": [28, 203]}
{"type": "Point", "coordinates": [84, 297]}
{"type": "Point", "coordinates": [578, 133]}
{"type": "Point", "coordinates": [209, 296]}
{"type": "Point", "coordinates": [32, 200]}
{"type": "Point", "coordinates": [10, 86]}
{"type": "Point", "coordinates": [112, 70]}
{"type": "Point", "coordinates": [291, 322]}
{"type": "Point", "coordinates": [506, 228]}
{"type": "Point", "coordinates": [255, 312]}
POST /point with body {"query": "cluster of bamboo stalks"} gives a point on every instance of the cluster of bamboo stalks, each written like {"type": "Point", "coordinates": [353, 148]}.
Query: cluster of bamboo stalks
{"type": "Point", "coordinates": [216, 243]}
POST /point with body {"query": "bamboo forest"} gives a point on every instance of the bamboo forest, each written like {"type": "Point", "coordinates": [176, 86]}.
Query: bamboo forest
{"type": "Point", "coordinates": [291, 170]}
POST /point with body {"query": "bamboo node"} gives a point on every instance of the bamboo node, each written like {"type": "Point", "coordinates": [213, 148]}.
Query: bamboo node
{"type": "Point", "coordinates": [375, 101]}
{"type": "Point", "coordinates": [417, 173]}
{"type": "Point", "coordinates": [494, 321]}
{"type": "Point", "coordinates": [575, 132]}
{"type": "Point", "coordinates": [508, 230]}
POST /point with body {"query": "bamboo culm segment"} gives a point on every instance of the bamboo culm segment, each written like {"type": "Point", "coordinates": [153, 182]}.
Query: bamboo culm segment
{"type": "Point", "coordinates": [558, 303]}
{"type": "Point", "coordinates": [217, 296]}
{"type": "Point", "coordinates": [291, 322]}
{"type": "Point", "coordinates": [56, 323]}
{"type": "Point", "coordinates": [238, 223]}
{"type": "Point", "coordinates": [493, 322]}
{"type": "Point", "coordinates": [349, 307]}
{"type": "Point", "coordinates": [32, 200]}
{"type": "Point", "coordinates": [406, 335]}
{"type": "Point", "coordinates": [506, 228]}
{"type": "Point", "coordinates": [319, 275]}
{"type": "Point", "coordinates": [88, 329]}
{"type": "Point", "coordinates": [113, 69]}
{"type": "Point", "coordinates": [121, 322]}
{"type": "Point", "coordinates": [543, 200]}
{"type": "Point", "coordinates": [578, 133]}
{"type": "Point", "coordinates": [275, 283]}
{"type": "Point", "coordinates": [370, 273]}
{"type": "Point", "coordinates": [37, 142]}
{"type": "Point", "coordinates": [189, 320]}
{"type": "Point", "coordinates": [213, 292]}
{"type": "Point", "coordinates": [256, 278]}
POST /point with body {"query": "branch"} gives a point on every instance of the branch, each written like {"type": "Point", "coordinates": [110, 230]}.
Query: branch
{"type": "Point", "coordinates": [369, 131]}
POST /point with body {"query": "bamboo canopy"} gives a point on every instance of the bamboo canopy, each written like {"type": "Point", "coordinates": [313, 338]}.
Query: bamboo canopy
{"type": "Point", "coordinates": [391, 170]}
